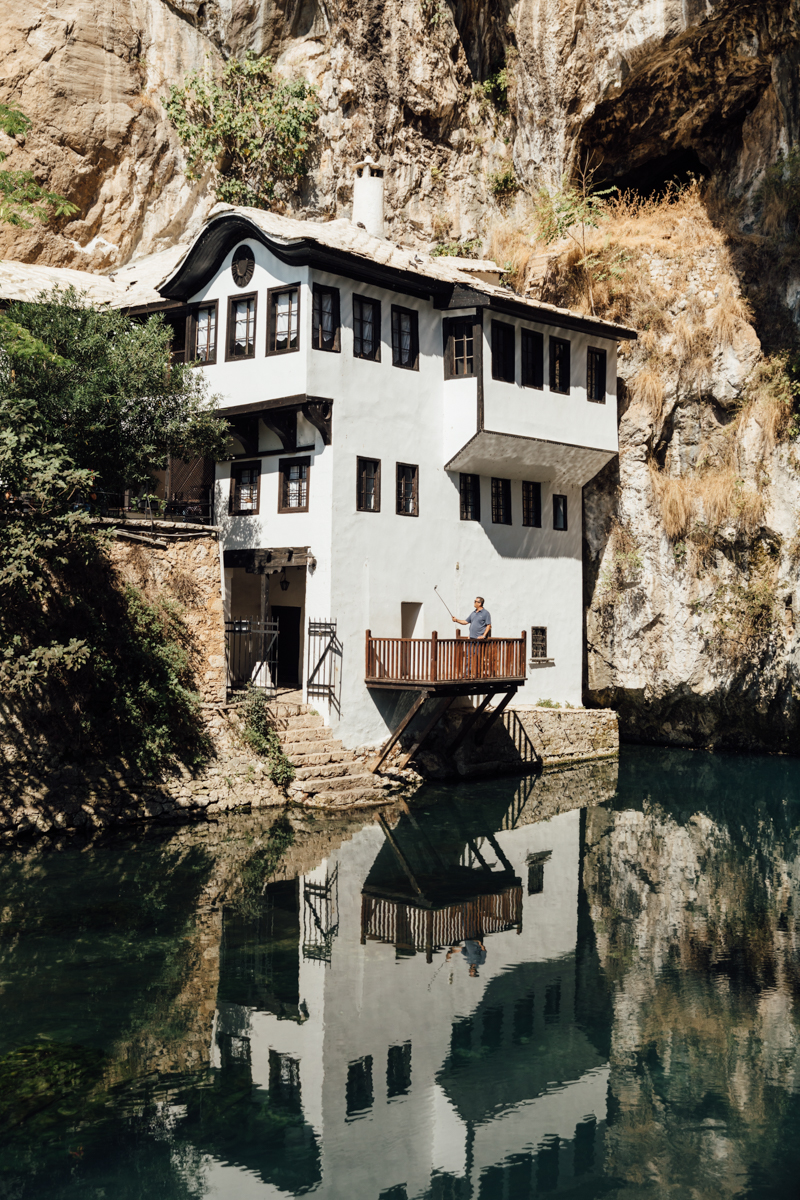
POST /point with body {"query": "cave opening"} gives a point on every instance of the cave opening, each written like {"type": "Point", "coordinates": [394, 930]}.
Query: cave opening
{"type": "Point", "coordinates": [653, 177]}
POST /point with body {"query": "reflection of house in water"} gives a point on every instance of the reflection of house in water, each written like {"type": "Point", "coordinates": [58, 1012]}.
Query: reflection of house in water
{"type": "Point", "coordinates": [408, 1075]}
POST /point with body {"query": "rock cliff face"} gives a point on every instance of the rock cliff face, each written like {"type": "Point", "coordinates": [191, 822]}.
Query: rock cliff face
{"type": "Point", "coordinates": [680, 639]}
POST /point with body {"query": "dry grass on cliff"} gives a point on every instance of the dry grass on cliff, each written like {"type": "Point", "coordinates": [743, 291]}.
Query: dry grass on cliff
{"type": "Point", "coordinates": [695, 507]}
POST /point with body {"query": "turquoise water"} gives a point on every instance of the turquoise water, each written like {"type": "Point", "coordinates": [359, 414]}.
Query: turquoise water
{"type": "Point", "coordinates": [581, 985]}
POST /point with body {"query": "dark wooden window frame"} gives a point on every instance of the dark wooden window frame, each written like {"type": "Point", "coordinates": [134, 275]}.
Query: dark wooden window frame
{"type": "Point", "coordinates": [475, 505]}
{"type": "Point", "coordinates": [283, 466]}
{"type": "Point", "coordinates": [376, 304]}
{"type": "Point", "coordinates": [555, 343]}
{"type": "Point", "coordinates": [272, 295]}
{"type": "Point", "coordinates": [398, 310]}
{"type": "Point", "coordinates": [532, 359]}
{"type": "Point", "coordinates": [236, 477]}
{"type": "Point", "coordinates": [599, 357]}
{"type": "Point", "coordinates": [538, 641]}
{"type": "Point", "coordinates": [449, 327]}
{"type": "Point", "coordinates": [504, 352]}
{"type": "Point", "coordinates": [192, 338]}
{"type": "Point", "coordinates": [230, 331]}
{"type": "Point", "coordinates": [360, 507]}
{"type": "Point", "coordinates": [560, 528]}
{"type": "Point", "coordinates": [414, 489]}
{"type": "Point", "coordinates": [316, 338]}
{"type": "Point", "coordinates": [531, 504]}
{"type": "Point", "coordinates": [501, 501]}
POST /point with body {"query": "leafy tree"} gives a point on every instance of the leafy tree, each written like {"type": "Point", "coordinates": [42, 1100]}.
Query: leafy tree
{"type": "Point", "coordinates": [569, 212]}
{"type": "Point", "coordinates": [253, 128]}
{"type": "Point", "coordinates": [105, 388]}
{"type": "Point", "coordinates": [21, 197]}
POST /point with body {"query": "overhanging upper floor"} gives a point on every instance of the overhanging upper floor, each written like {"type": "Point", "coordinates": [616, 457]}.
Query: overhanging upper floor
{"type": "Point", "coordinates": [512, 456]}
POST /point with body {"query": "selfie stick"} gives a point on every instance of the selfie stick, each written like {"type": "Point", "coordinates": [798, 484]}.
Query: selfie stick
{"type": "Point", "coordinates": [444, 602]}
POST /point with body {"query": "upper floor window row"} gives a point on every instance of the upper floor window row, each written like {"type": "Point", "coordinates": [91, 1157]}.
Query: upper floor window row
{"type": "Point", "coordinates": [532, 362]}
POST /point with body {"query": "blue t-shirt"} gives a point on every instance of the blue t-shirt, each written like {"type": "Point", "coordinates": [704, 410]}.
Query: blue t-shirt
{"type": "Point", "coordinates": [473, 953]}
{"type": "Point", "coordinates": [477, 622]}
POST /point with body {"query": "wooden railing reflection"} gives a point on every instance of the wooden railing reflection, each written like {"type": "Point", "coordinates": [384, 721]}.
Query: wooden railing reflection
{"type": "Point", "coordinates": [425, 929]}
{"type": "Point", "coordinates": [444, 660]}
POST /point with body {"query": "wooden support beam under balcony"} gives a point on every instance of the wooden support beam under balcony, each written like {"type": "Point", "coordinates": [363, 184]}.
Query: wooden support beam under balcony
{"type": "Point", "coordinates": [442, 666]}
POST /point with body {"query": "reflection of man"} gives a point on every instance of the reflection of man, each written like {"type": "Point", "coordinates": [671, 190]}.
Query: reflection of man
{"type": "Point", "coordinates": [473, 951]}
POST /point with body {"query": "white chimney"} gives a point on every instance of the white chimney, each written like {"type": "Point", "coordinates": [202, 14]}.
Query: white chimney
{"type": "Point", "coordinates": [368, 196]}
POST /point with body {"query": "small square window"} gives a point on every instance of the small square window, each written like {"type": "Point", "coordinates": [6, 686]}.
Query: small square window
{"type": "Point", "coordinates": [531, 504]}
{"type": "Point", "coordinates": [536, 864]}
{"type": "Point", "coordinates": [205, 334]}
{"type": "Point", "coordinates": [283, 327]}
{"type": "Point", "coordinates": [407, 491]}
{"type": "Point", "coordinates": [501, 501]}
{"type": "Point", "coordinates": [559, 512]}
{"type": "Point", "coordinates": [293, 485]}
{"type": "Point", "coordinates": [538, 641]}
{"type": "Point", "coordinates": [368, 491]}
{"type": "Point", "coordinates": [459, 347]}
{"type": "Point", "coordinates": [405, 338]}
{"type": "Point", "coordinates": [559, 365]}
{"type": "Point", "coordinates": [325, 319]}
{"type": "Point", "coordinates": [596, 375]}
{"type": "Point", "coordinates": [366, 328]}
{"type": "Point", "coordinates": [245, 486]}
{"type": "Point", "coordinates": [241, 327]}
{"type": "Point", "coordinates": [470, 489]}
{"type": "Point", "coordinates": [532, 359]}
{"type": "Point", "coordinates": [503, 352]}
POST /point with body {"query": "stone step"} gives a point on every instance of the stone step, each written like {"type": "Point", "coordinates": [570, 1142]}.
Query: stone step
{"type": "Point", "coordinates": [320, 757]}
{"type": "Point", "coordinates": [302, 721]}
{"type": "Point", "coordinates": [346, 799]}
{"type": "Point", "coordinates": [289, 737]}
{"type": "Point", "coordinates": [278, 709]}
{"type": "Point", "coordinates": [344, 783]}
{"type": "Point", "coordinates": [329, 770]}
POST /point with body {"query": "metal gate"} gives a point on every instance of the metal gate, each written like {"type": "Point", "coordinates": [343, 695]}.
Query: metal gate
{"type": "Point", "coordinates": [252, 652]}
{"type": "Point", "coordinates": [325, 661]}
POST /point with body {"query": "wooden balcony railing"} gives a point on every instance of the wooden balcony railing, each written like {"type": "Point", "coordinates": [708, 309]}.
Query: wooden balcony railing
{"type": "Point", "coordinates": [405, 925]}
{"type": "Point", "coordinates": [444, 660]}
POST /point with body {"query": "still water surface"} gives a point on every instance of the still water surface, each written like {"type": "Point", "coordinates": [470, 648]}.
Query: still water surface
{"type": "Point", "coordinates": [583, 985]}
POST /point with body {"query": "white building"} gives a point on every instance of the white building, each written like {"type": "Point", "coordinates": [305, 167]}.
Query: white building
{"type": "Point", "coordinates": [400, 423]}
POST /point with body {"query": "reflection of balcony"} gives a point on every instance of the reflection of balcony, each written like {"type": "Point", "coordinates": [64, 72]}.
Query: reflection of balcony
{"type": "Point", "coordinates": [443, 662]}
{"type": "Point", "coordinates": [411, 929]}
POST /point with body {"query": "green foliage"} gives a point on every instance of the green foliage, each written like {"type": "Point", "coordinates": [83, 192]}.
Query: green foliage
{"type": "Point", "coordinates": [504, 184]}
{"type": "Point", "coordinates": [261, 866]}
{"type": "Point", "coordinates": [495, 89]}
{"type": "Point", "coordinates": [779, 194]}
{"type": "Point", "coordinates": [253, 129]}
{"type": "Point", "coordinates": [22, 199]}
{"type": "Point", "coordinates": [568, 213]}
{"type": "Point", "coordinates": [105, 389]}
{"type": "Point", "coordinates": [434, 11]}
{"type": "Point", "coordinates": [470, 249]}
{"type": "Point", "coordinates": [547, 704]}
{"type": "Point", "coordinates": [259, 735]}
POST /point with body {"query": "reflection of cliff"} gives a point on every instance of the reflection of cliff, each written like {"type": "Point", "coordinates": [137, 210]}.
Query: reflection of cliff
{"type": "Point", "coordinates": [693, 885]}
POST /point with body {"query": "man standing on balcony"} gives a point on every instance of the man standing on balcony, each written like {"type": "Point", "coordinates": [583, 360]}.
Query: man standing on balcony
{"type": "Point", "coordinates": [479, 621]}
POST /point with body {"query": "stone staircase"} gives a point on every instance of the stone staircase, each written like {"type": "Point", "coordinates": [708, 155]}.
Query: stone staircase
{"type": "Point", "coordinates": [326, 775]}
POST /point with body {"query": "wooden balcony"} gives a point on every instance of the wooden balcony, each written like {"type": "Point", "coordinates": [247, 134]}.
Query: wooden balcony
{"type": "Point", "coordinates": [444, 664]}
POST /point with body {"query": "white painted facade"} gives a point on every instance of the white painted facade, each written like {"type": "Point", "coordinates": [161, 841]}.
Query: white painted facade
{"type": "Point", "coordinates": [371, 567]}
{"type": "Point", "coordinates": [367, 999]}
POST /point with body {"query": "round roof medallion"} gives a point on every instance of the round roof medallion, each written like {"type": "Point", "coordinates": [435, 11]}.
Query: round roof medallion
{"type": "Point", "coordinates": [242, 266]}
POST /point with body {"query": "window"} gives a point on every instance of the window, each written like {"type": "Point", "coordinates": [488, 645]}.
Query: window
{"type": "Point", "coordinates": [470, 488]}
{"type": "Point", "coordinates": [407, 495]}
{"type": "Point", "coordinates": [241, 327]}
{"type": "Point", "coordinates": [293, 485]}
{"type": "Point", "coordinates": [559, 365]}
{"type": "Point", "coordinates": [368, 492]}
{"type": "Point", "coordinates": [536, 871]}
{"type": "Point", "coordinates": [398, 1070]}
{"type": "Point", "coordinates": [538, 641]}
{"type": "Point", "coordinates": [559, 512]}
{"type": "Point", "coordinates": [325, 319]}
{"type": "Point", "coordinates": [531, 504]}
{"type": "Point", "coordinates": [405, 338]}
{"type": "Point", "coordinates": [176, 320]}
{"type": "Point", "coordinates": [283, 327]}
{"type": "Point", "coordinates": [596, 375]}
{"type": "Point", "coordinates": [284, 1081]}
{"type": "Point", "coordinates": [532, 359]}
{"type": "Point", "coordinates": [359, 1094]}
{"type": "Point", "coordinates": [366, 328]}
{"type": "Point", "coordinates": [503, 351]}
{"type": "Point", "coordinates": [245, 484]}
{"type": "Point", "coordinates": [501, 501]}
{"type": "Point", "coordinates": [459, 347]}
{"type": "Point", "coordinates": [205, 334]}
